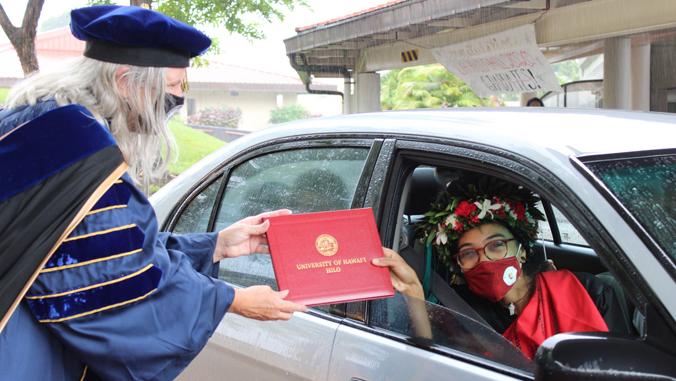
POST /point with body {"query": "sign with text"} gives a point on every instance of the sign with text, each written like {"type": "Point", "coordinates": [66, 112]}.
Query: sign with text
{"type": "Point", "coordinates": [505, 62]}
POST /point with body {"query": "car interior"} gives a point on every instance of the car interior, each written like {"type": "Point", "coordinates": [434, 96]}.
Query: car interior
{"type": "Point", "coordinates": [423, 187]}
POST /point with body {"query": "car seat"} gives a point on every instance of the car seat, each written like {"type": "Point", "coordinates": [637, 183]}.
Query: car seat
{"type": "Point", "coordinates": [632, 317]}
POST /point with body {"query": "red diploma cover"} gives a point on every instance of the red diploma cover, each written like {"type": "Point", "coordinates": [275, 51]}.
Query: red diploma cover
{"type": "Point", "coordinates": [325, 258]}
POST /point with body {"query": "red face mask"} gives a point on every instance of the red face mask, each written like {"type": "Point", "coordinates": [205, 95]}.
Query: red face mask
{"type": "Point", "coordinates": [493, 279]}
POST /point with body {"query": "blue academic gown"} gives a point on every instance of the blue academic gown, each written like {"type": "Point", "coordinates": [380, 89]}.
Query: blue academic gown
{"type": "Point", "coordinates": [118, 300]}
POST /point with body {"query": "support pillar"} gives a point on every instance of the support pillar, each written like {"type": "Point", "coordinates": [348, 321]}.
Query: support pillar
{"type": "Point", "coordinates": [640, 77]}
{"type": "Point", "coordinates": [617, 73]}
{"type": "Point", "coordinates": [662, 75]}
{"type": "Point", "coordinates": [659, 100]}
{"type": "Point", "coordinates": [347, 96]}
{"type": "Point", "coordinates": [367, 91]}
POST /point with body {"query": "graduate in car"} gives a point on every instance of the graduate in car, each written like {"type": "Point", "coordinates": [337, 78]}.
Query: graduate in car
{"type": "Point", "coordinates": [483, 230]}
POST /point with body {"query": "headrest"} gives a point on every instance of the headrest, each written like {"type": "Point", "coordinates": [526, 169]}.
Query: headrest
{"type": "Point", "coordinates": [424, 190]}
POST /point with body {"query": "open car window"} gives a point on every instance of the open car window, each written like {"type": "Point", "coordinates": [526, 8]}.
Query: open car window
{"type": "Point", "coordinates": [569, 250]}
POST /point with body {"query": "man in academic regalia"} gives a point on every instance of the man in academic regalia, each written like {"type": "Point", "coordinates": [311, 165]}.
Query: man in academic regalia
{"type": "Point", "coordinates": [89, 289]}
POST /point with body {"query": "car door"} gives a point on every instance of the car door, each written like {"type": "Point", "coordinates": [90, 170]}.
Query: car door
{"type": "Point", "coordinates": [307, 176]}
{"type": "Point", "coordinates": [382, 341]}
{"type": "Point", "coordinates": [387, 339]}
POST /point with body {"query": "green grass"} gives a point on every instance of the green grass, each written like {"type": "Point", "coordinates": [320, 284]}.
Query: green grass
{"type": "Point", "coordinates": [3, 95]}
{"type": "Point", "coordinates": [192, 146]}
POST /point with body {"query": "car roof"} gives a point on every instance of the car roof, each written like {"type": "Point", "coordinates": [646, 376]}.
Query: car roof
{"type": "Point", "coordinates": [546, 136]}
{"type": "Point", "coordinates": [566, 131]}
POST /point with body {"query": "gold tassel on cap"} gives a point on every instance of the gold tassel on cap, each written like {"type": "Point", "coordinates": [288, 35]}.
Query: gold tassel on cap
{"type": "Point", "coordinates": [184, 83]}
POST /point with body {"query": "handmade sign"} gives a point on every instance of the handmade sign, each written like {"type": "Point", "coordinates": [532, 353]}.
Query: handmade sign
{"type": "Point", "coordinates": [505, 62]}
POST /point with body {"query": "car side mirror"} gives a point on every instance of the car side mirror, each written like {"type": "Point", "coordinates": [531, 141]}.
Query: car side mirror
{"type": "Point", "coordinates": [601, 356]}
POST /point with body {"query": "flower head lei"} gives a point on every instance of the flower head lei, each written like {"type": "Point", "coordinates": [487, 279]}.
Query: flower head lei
{"type": "Point", "coordinates": [485, 200]}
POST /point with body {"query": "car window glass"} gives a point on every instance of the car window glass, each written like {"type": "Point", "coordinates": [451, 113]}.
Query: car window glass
{"type": "Point", "coordinates": [304, 180]}
{"type": "Point", "coordinates": [569, 234]}
{"type": "Point", "coordinates": [408, 316]}
{"type": "Point", "coordinates": [195, 217]}
{"type": "Point", "coordinates": [647, 187]}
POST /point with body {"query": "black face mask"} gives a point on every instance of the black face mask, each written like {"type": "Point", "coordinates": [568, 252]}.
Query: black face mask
{"type": "Point", "coordinates": [172, 104]}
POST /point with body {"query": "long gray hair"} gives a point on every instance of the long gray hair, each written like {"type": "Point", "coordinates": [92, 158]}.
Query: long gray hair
{"type": "Point", "coordinates": [136, 122]}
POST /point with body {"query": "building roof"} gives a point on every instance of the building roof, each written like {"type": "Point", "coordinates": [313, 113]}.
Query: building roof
{"type": "Point", "coordinates": [356, 14]}
{"type": "Point", "coordinates": [382, 37]}
{"type": "Point", "coordinates": [222, 76]}
{"type": "Point", "coordinates": [56, 47]}
{"type": "Point", "coordinates": [52, 48]}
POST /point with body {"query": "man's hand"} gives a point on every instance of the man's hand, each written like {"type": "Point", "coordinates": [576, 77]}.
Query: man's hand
{"type": "Point", "coordinates": [245, 237]}
{"type": "Point", "coordinates": [404, 279]}
{"type": "Point", "coordinates": [263, 303]}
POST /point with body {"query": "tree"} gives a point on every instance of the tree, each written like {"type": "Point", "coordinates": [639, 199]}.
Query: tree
{"type": "Point", "coordinates": [219, 13]}
{"type": "Point", "coordinates": [23, 38]}
{"type": "Point", "coordinates": [567, 71]}
{"type": "Point", "coordinates": [55, 22]}
{"type": "Point", "coordinates": [429, 86]}
{"type": "Point", "coordinates": [226, 13]}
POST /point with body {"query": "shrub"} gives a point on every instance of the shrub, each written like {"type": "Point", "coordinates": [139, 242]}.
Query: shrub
{"type": "Point", "coordinates": [224, 116]}
{"type": "Point", "coordinates": [289, 112]}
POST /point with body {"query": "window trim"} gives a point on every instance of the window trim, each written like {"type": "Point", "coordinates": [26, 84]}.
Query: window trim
{"type": "Point", "coordinates": [180, 207]}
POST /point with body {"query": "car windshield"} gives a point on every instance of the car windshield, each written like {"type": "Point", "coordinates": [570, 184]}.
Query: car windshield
{"type": "Point", "coordinates": [646, 186]}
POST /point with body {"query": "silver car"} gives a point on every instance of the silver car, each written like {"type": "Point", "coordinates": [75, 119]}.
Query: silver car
{"type": "Point", "coordinates": [608, 184]}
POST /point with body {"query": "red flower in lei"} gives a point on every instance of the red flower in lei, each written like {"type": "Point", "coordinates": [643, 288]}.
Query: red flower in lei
{"type": "Point", "coordinates": [520, 211]}
{"type": "Point", "coordinates": [465, 209]}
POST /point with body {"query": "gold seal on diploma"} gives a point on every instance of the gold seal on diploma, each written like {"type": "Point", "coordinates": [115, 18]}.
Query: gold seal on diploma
{"type": "Point", "coordinates": [326, 245]}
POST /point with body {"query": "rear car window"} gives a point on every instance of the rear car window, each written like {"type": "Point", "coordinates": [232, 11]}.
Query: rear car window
{"type": "Point", "coordinates": [646, 186]}
{"type": "Point", "coordinates": [303, 180]}
{"type": "Point", "coordinates": [569, 234]}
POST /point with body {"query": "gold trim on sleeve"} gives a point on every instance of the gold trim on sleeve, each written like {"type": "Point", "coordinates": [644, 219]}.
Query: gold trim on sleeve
{"type": "Point", "coordinates": [90, 287]}
{"type": "Point", "coordinates": [52, 269]}
{"type": "Point", "coordinates": [97, 310]}
{"type": "Point", "coordinates": [100, 232]}
{"type": "Point", "coordinates": [105, 209]}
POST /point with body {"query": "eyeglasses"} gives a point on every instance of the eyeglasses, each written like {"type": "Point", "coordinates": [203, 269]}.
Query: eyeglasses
{"type": "Point", "coordinates": [494, 250]}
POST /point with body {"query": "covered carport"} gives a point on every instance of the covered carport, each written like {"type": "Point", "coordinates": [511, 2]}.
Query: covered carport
{"type": "Point", "coordinates": [637, 39]}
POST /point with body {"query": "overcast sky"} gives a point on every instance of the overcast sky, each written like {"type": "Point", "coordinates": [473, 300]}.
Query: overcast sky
{"type": "Point", "coordinates": [268, 55]}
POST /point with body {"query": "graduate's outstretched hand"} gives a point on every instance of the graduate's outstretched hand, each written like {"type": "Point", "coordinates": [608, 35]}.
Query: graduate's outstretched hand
{"type": "Point", "coordinates": [245, 237]}
{"type": "Point", "coordinates": [404, 279]}
{"type": "Point", "coordinates": [263, 303]}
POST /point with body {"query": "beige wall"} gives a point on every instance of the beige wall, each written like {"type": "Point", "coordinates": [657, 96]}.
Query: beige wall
{"type": "Point", "coordinates": [255, 105]}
